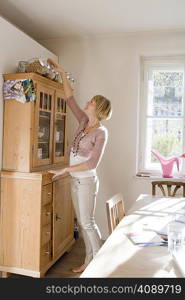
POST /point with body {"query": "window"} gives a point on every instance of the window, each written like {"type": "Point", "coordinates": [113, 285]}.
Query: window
{"type": "Point", "coordinates": [161, 111]}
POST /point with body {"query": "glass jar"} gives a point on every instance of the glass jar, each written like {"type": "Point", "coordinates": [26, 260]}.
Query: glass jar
{"type": "Point", "coordinates": [176, 236]}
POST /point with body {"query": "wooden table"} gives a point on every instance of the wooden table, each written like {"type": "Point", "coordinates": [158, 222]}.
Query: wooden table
{"type": "Point", "coordinates": [120, 257]}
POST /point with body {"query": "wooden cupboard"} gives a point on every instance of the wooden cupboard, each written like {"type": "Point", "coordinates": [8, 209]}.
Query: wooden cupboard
{"type": "Point", "coordinates": [36, 215]}
{"type": "Point", "coordinates": [35, 133]}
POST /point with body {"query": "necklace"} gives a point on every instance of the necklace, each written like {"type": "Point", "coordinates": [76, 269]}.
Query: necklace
{"type": "Point", "coordinates": [83, 132]}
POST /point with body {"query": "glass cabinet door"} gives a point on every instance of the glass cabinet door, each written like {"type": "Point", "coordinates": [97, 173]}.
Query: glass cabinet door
{"type": "Point", "coordinates": [44, 127]}
{"type": "Point", "coordinates": [59, 128]}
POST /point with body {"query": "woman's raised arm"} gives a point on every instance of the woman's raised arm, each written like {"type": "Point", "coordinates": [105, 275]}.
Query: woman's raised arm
{"type": "Point", "coordinates": [77, 111]}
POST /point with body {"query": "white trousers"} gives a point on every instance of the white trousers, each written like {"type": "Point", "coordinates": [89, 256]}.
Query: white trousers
{"type": "Point", "coordinates": [83, 193]}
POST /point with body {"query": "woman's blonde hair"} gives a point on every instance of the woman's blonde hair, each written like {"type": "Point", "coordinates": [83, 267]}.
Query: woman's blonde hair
{"type": "Point", "coordinates": [103, 107]}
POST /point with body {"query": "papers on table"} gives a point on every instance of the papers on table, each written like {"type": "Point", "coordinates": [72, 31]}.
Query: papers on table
{"type": "Point", "coordinates": [153, 232]}
{"type": "Point", "coordinates": [146, 238]}
{"type": "Point", "coordinates": [157, 224]}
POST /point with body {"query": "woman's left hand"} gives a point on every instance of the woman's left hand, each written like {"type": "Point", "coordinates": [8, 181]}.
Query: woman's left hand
{"type": "Point", "coordinates": [58, 172]}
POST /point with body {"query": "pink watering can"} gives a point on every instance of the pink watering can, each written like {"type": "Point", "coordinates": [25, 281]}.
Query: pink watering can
{"type": "Point", "coordinates": [166, 164]}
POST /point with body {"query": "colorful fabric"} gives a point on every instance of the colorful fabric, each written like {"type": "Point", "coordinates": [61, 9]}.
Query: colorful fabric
{"type": "Point", "coordinates": [20, 90]}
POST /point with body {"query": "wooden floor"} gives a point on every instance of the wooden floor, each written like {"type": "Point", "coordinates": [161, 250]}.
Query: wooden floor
{"type": "Point", "coordinates": [62, 268]}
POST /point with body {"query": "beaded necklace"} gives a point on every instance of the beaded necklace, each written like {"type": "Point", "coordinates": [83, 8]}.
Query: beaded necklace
{"type": "Point", "coordinates": [75, 152]}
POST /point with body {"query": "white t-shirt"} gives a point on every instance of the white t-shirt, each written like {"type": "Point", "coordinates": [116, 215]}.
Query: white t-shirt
{"type": "Point", "coordinates": [77, 159]}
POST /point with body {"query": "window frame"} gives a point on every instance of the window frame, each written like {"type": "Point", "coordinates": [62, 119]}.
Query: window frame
{"type": "Point", "coordinates": [146, 65]}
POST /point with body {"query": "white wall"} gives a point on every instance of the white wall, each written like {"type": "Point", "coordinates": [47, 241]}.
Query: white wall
{"type": "Point", "coordinates": [111, 66]}
{"type": "Point", "coordinates": [15, 46]}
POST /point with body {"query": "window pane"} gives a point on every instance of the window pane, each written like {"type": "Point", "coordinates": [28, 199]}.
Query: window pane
{"type": "Point", "coordinates": [165, 93]}
{"type": "Point", "coordinates": [164, 136]}
{"type": "Point", "coordinates": [60, 136]}
{"type": "Point", "coordinates": [44, 135]}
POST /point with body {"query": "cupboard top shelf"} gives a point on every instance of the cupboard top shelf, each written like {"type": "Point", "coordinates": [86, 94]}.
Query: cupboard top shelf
{"type": "Point", "coordinates": [33, 76]}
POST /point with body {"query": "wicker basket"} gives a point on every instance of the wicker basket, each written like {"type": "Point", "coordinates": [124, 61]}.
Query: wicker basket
{"type": "Point", "coordinates": [41, 67]}
{"type": "Point", "coordinates": [36, 67]}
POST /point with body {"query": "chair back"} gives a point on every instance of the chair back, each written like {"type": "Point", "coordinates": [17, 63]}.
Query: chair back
{"type": "Point", "coordinates": [115, 211]}
{"type": "Point", "coordinates": [171, 187]}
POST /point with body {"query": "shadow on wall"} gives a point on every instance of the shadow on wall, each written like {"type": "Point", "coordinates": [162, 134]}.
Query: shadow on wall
{"type": "Point", "coordinates": [7, 7]}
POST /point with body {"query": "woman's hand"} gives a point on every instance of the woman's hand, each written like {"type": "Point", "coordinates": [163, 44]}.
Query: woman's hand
{"type": "Point", "coordinates": [66, 85]}
{"type": "Point", "coordinates": [58, 172]}
{"type": "Point", "coordinates": [55, 65]}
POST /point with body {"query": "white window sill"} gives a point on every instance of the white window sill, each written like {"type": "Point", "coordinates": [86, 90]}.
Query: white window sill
{"type": "Point", "coordinates": [158, 177]}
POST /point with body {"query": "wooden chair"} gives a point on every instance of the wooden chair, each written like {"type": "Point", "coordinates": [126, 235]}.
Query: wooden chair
{"type": "Point", "coordinates": [115, 211]}
{"type": "Point", "coordinates": [171, 192]}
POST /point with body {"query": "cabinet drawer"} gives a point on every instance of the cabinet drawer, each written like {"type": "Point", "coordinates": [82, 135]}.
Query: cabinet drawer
{"type": "Point", "coordinates": [46, 178]}
{"type": "Point", "coordinates": [46, 214]}
{"type": "Point", "coordinates": [46, 254]}
{"type": "Point", "coordinates": [46, 234]}
{"type": "Point", "coordinates": [46, 194]}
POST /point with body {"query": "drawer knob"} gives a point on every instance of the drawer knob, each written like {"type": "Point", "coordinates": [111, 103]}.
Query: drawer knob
{"type": "Point", "coordinates": [47, 252]}
{"type": "Point", "coordinates": [58, 217]}
{"type": "Point", "coordinates": [49, 194]}
{"type": "Point", "coordinates": [48, 232]}
{"type": "Point", "coordinates": [48, 213]}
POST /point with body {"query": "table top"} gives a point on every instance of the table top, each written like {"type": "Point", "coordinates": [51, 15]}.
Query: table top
{"type": "Point", "coordinates": [120, 257]}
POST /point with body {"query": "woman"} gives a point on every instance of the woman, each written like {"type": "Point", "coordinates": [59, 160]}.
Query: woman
{"type": "Point", "coordinates": [86, 152]}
